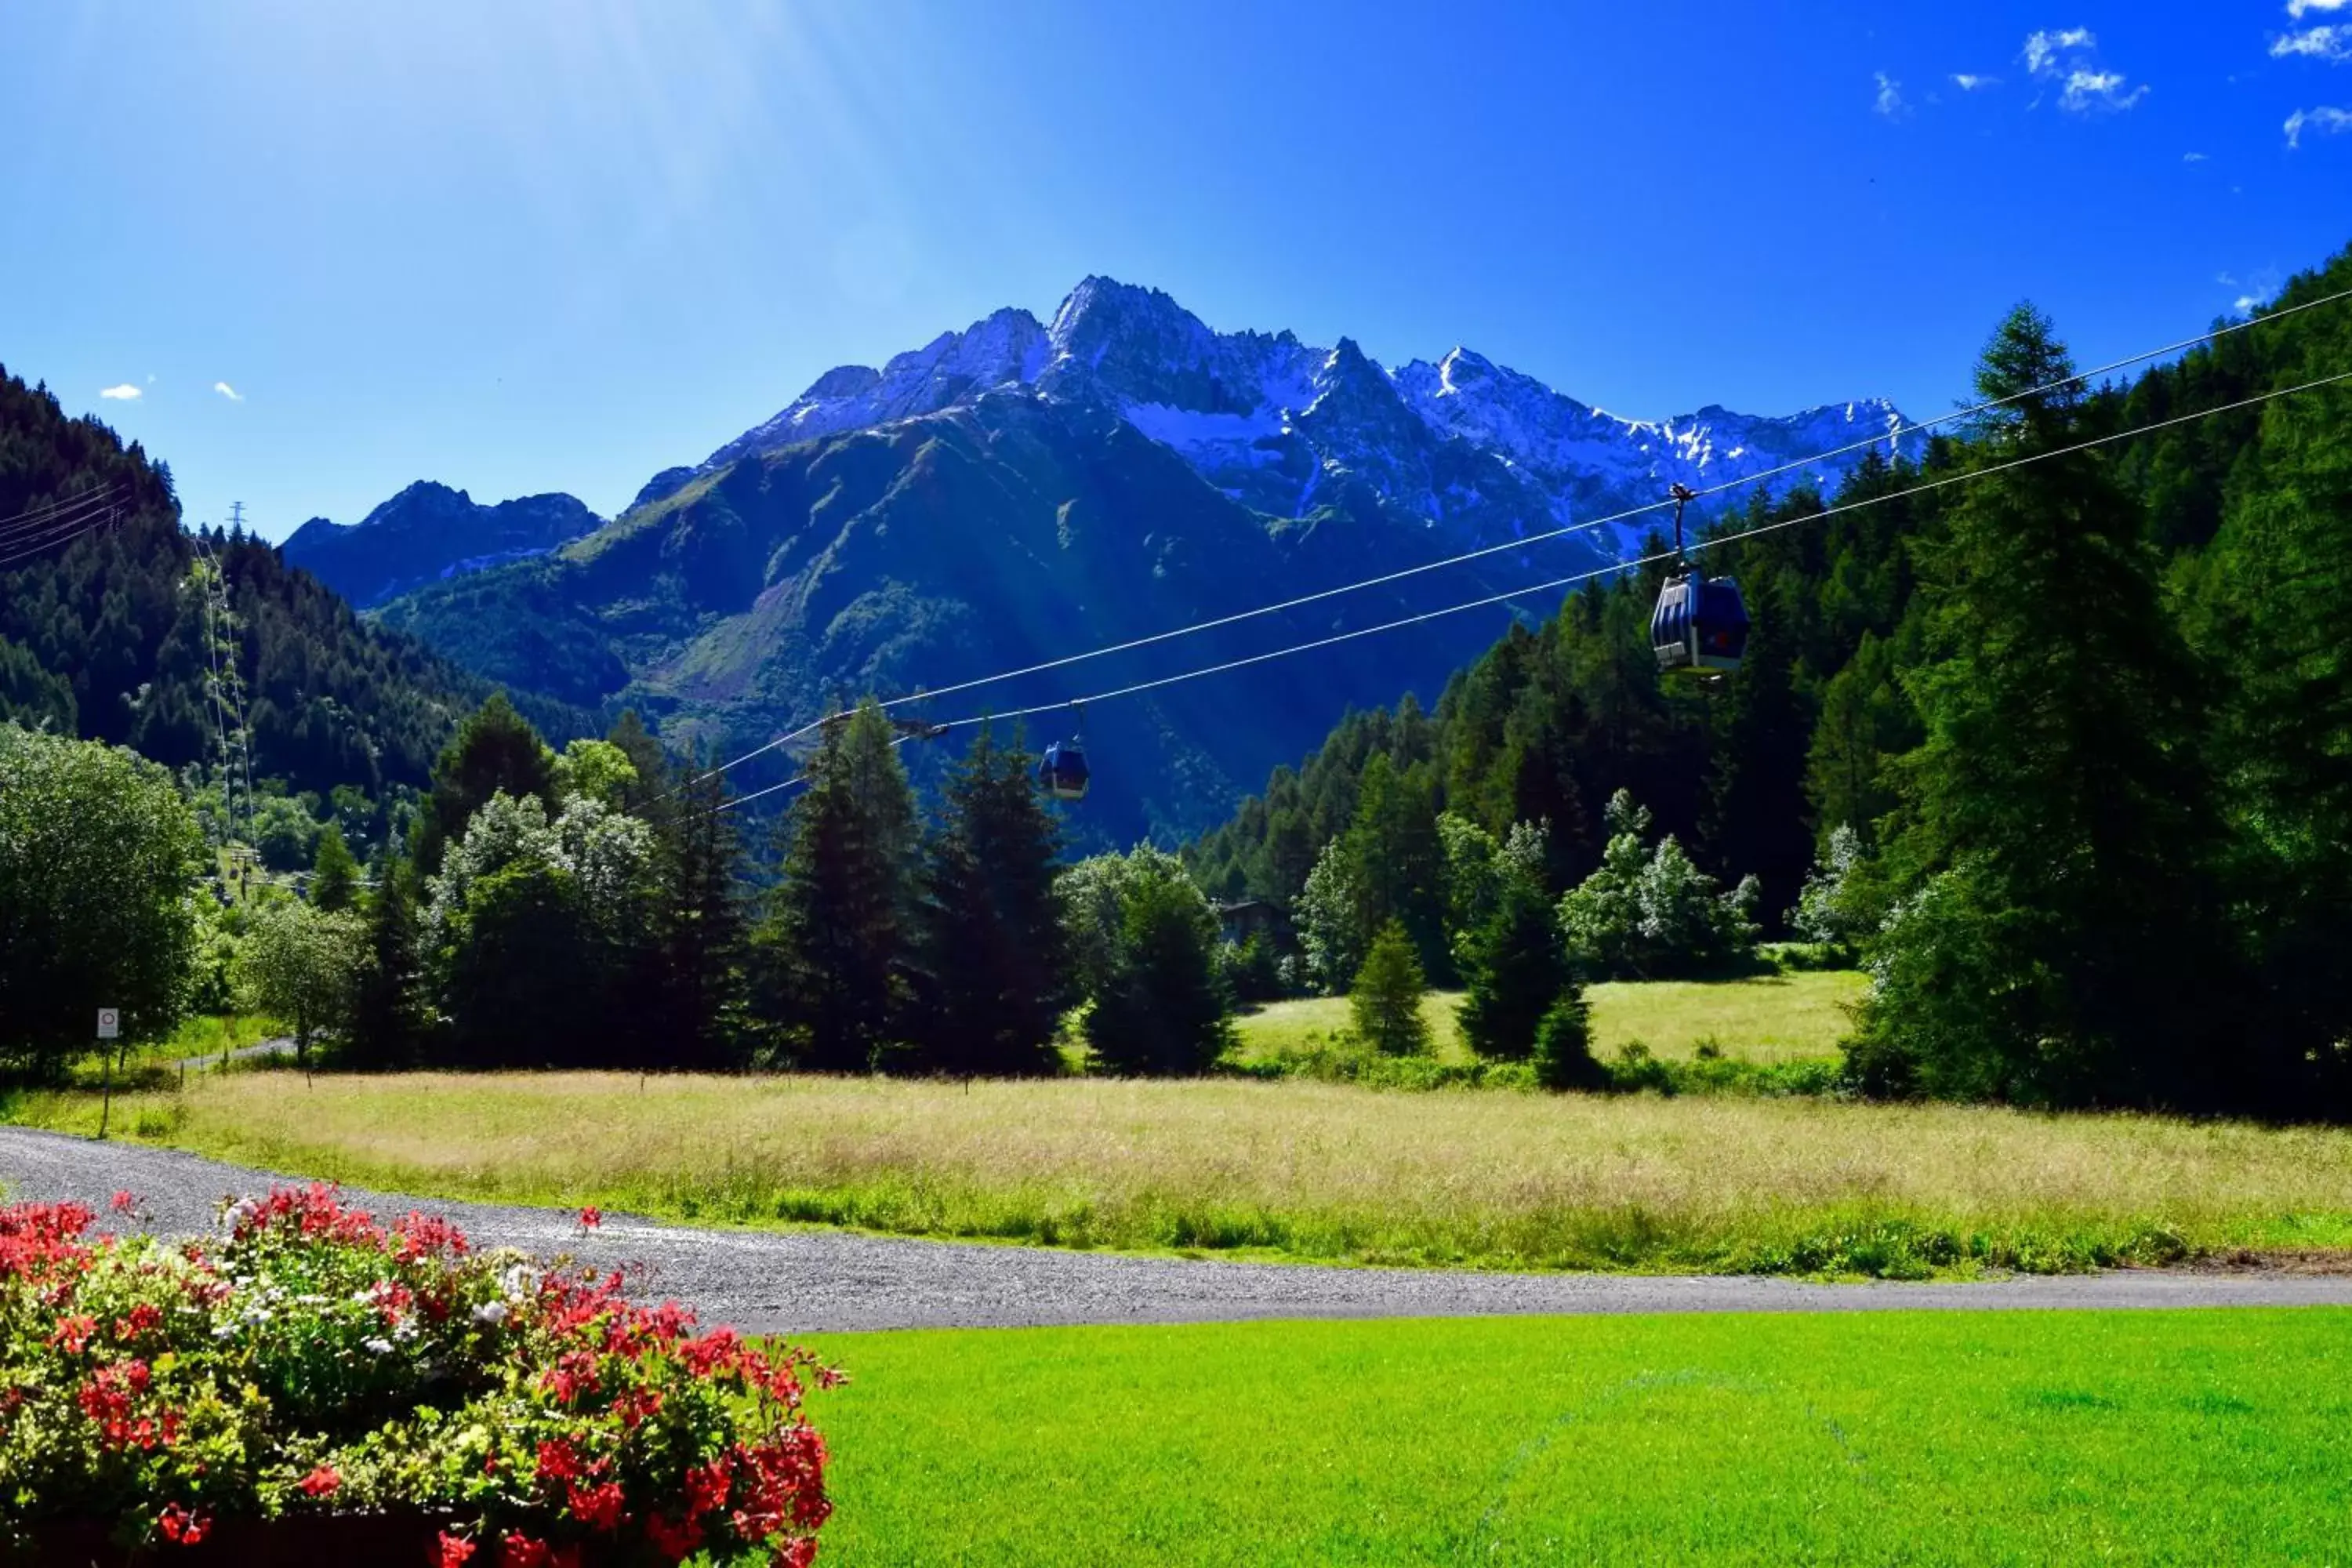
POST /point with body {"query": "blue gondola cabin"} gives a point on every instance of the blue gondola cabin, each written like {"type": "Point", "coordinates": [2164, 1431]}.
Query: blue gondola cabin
{"type": "Point", "coordinates": [1700, 626]}
{"type": "Point", "coordinates": [1062, 771]}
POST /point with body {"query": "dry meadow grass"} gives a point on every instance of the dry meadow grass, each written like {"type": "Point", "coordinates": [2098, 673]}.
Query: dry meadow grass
{"type": "Point", "coordinates": [1301, 1169]}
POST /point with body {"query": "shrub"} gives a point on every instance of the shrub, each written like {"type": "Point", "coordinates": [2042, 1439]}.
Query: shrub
{"type": "Point", "coordinates": [1386, 1000]}
{"type": "Point", "coordinates": [1829, 911]}
{"type": "Point", "coordinates": [1654, 915]}
{"type": "Point", "coordinates": [314, 1361]}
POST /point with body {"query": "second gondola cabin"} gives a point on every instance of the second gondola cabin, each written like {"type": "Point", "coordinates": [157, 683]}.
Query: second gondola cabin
{"type": "Point", "coordinates": [1700, 626]}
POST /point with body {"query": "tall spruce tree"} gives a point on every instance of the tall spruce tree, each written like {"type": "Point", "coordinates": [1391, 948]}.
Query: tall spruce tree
{"type": "Point", "coordinates": [698, 945]}
{"type": "Point", "coordinates": [390, 1011]}
{"type": "Point", "coordinates": [994, 970]}
{"type": "Point", "coordinates": [2058, 944]}
{"type": "Point", "coordinates": [839, 936]}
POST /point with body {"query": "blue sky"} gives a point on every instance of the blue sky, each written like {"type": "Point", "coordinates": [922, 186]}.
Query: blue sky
{"type": "Point", "coordinates": [528, 247]}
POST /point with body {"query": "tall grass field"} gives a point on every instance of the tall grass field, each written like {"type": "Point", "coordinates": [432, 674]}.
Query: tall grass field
{"type": "Point", "coordinates": [1797, 1016]}
{"type": "Point", "coordinates": [1298, 1169]}
{"type": "Point", "coordinates": [2184, 1438]}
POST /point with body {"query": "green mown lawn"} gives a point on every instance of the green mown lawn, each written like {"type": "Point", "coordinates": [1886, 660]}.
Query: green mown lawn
{"type": "Point", "coordinates": [2199, 1438]}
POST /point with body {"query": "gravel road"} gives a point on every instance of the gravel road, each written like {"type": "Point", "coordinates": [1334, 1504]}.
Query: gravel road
{"type": "Point", "coordinates": [806, 1281]}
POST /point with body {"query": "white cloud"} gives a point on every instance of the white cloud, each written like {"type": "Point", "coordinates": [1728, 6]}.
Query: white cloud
{"type": "Point", "coordinates": [2298, 9]}
{"type": "Point", "coordinates": [2192, 157]}
{"type": "Point", "coordinates": [1890, 97]}
{"type": "Point", "coordinates": [2042, 48]}
{"type": "Point", "coordinates": [2328, 121]}
{"type": "Point", "coordinates": [1967, 81]}
{"type": "Point", "coordinates": [2246, 303]}
{"type": "Point", "coordinates": [231, 393]}
{"type": "Point", "coordinates": [2318, 43]}
{"type": "Point", "coordinates": [2087, 91]}
{"type": "Point", "coordinates": [126, 392]}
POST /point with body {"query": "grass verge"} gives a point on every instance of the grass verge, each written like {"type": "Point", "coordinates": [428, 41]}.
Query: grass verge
{"type": "Point", "coordinates": [2190, 1438]}
{"type": "Point", "coordinates": [1299, 1170]}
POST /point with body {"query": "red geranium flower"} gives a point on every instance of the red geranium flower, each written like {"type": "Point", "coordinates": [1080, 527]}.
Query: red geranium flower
{"type": "Point", "coordinates": [123, 1202]}
{"type": "Point", "coordinates": [590, 1217]}
{"type": "Point", "coordinates": [321, 1481]}
{"type": "Point", "coordinates": [455, 1551]}
{"type": "Point", "coordinates": [597, 1507]}
{"type": "Point", "coordinates": [183, 1526]}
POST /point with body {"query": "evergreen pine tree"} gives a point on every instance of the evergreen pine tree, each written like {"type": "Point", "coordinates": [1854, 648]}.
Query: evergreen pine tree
{"type": "Point", "coordinates": [334, 874]}
{"type": "Point", "coordinates": [2058, 943]}
{"type": "Point", "coordinates": [996, 970]}
{"type": "Point", "coordinates": [1386, 998]}
{"type": "Point", "coordinates": [698, 945]}
{"type": "Point", "coordinates": [389, 1012]}
{"type": "Point", "coordinates": [840, 931]}
{"type": "Point", "coordinates": [1160, 1010]}
{"type": "Point", "coordinates": [1563, 1048]}
{"type": "Point", "coordinates": [1519, 971]}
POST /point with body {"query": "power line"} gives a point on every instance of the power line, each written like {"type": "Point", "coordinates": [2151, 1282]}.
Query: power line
{"type": "Point", "coordinates": [1890, 437]}
{"type": "Point", "coordinates": [25, 524]}
{"type": "Point", "coordinates": [41, 512]}
{"type": "Point", "coordinates": [1923, 488]}
{"type": "Point", "coordinates": [95, 525]}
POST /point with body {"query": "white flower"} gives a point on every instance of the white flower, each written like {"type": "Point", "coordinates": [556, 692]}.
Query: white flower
{"type": "Point", "coordinates": [380, 1347]}
{"type": "Point", "coordinates": [490, 1313]}
{"type": "Point", "coordinates": [519, 1280]}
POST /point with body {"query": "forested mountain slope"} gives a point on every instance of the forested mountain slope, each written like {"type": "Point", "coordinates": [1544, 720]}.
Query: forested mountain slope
{"type": "Point", "coordinates": [102, 633]}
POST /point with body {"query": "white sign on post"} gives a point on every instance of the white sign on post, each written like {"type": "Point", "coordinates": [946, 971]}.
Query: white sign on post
{"type": "Point", "coordinates": [109, 1022]}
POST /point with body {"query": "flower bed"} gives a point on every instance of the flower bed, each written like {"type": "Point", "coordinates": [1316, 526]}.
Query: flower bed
{"type": "Point", "coordinates": [317, 1376]}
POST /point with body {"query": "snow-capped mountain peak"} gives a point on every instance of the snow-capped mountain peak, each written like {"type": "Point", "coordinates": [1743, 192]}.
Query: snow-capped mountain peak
{"type": "Point", "coordinates": [1285, 427]}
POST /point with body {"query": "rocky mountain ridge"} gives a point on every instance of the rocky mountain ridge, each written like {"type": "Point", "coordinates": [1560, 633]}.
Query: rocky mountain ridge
{"type": "Point", "coordinates": [1466, 447]}
{"type": "Point", "coordinates": [428, 532]}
